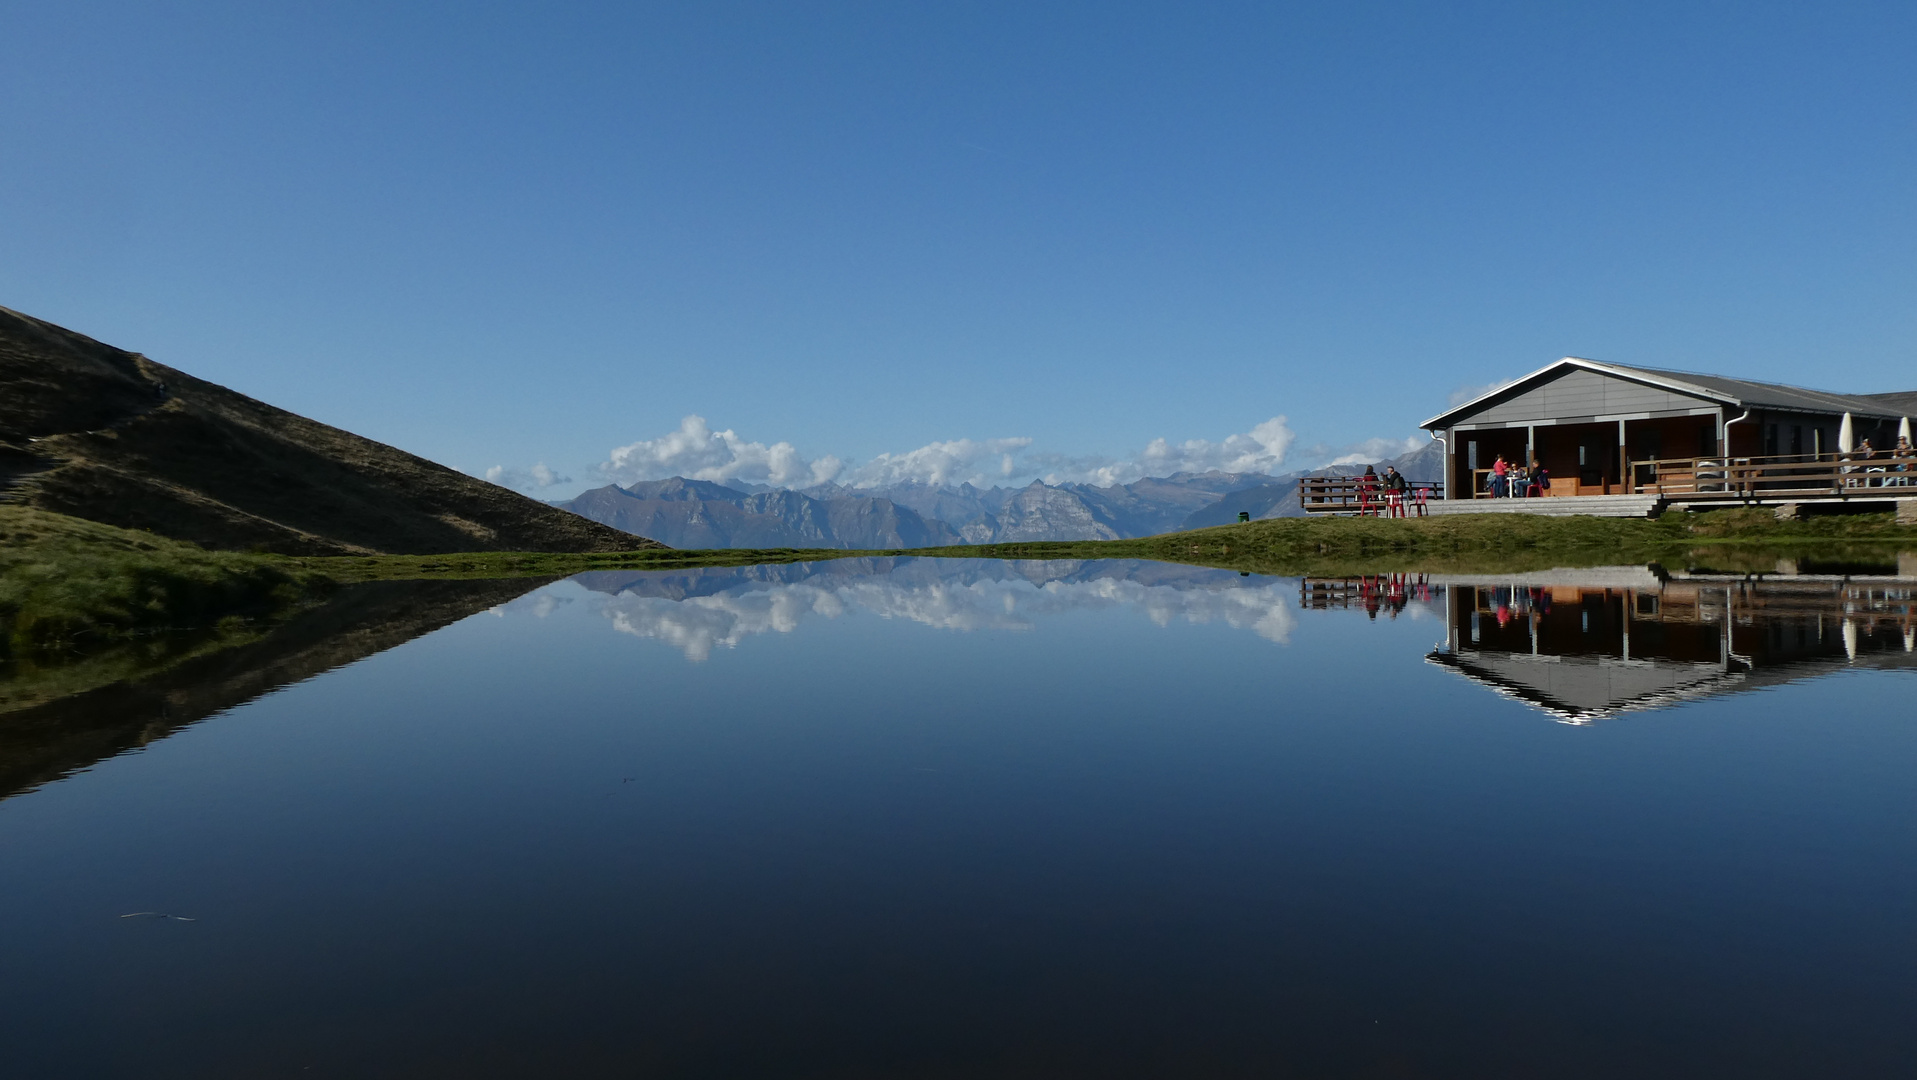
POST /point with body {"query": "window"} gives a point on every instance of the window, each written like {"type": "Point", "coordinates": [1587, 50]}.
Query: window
{"type": "Point", "coordinates": [1797, 438]}
{"type": "Point", "coordinates": [1471, 453]}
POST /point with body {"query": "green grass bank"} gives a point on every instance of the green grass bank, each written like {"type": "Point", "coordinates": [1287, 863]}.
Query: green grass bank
{"type": "Point", "coordinates": [66, 583]}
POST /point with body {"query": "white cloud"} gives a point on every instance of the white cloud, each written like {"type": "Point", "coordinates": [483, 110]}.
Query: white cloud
{"type": "Point", "coordinates": [537, 478]}
{"type": "Point", "coordinates": [1261, 450]}
{"type": "Point", "coordinates": [950, 462]}
{"type": "Point", "coordinates": [700, 453]}
{"type": "Point", "coordinates": [697, 452]}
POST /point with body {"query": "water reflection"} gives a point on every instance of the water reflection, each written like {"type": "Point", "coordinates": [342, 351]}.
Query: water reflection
{"type": "Point", "coordinates": [939, 818]}
{"type": "Point", "coordinates": [1582, 649]}
{"type": "Point", "coordinates": [698, 611]}
{"type": "Point", "coordinates": [1580, 645]}
{"type": "Point", "coordinates": [46, 740]}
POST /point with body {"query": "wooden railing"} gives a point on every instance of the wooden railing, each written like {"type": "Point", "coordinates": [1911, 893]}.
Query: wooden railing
{"type": "Point", "coordinates": [1769, 478]}
{"type": "Point", "coordinates": [1373, 592]}
{"type": "Point", "coordinates": [1359, 495]}
{"type": "Point", "coordinates": [1764, 477]}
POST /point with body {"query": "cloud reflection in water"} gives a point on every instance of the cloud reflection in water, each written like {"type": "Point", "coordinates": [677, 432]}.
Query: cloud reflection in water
{"type": "Point", "coordinates": [697, 611]}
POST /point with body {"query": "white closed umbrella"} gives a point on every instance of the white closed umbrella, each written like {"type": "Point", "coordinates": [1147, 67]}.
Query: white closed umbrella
{"type": "Point", "coordinates": [1903, 429]}
{"type": "Point", "coordinates": [1845, 433]}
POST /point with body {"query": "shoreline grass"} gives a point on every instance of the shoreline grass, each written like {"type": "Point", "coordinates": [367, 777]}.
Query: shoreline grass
{"type": "Point", "coordinates": [68, 585]}
{"type": "Point", "coordinates": [1284, 545]}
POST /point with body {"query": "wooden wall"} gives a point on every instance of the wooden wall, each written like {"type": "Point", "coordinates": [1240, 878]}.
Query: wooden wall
{"type": "Point", "coordinates": [1585, 393]}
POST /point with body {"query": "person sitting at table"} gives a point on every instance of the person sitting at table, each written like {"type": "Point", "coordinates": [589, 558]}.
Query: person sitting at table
{"type": "Point", "coordinates": [1394, 488]}
{"type": "Point", "coordinates": [1902, 450]}
{"type": "Point", "coordinates": [1865, 452]}
{"type": "Point", "coordinates": [1540, 479]}
{"type": "Point", "coordinates": [1367, 491]}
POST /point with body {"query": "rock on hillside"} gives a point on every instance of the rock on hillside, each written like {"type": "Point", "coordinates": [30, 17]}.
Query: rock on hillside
{"type": "Point", "coordinates": [100, 433]}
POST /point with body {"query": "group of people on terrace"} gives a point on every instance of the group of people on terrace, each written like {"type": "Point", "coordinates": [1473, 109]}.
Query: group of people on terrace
{"type": "Point", "coordinates": [1399, 494]}
{"type": "Point", "coordinates": [1508, 480]}
{"type": "Point", "coordinates": [1899, 461]}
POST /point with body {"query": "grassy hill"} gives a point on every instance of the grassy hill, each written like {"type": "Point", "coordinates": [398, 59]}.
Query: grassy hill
{"type": "Point", "coordinates": [107, 435]}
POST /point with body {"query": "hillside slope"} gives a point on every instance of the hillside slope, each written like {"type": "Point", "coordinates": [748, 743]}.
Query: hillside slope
{"type": "Point", "coordinates": [99, 433]}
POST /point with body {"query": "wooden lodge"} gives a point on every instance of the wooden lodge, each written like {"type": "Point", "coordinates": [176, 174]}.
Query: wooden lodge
{"type": "Point", "coordinates": [1627, 441]}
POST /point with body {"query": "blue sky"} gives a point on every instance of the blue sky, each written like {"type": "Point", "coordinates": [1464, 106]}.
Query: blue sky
{"type": "Point", "coordinates": [505, 234]}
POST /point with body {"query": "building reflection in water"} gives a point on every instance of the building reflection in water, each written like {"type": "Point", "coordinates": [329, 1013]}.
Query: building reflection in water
{"type": "Point", "coordinates": [1582, 645]}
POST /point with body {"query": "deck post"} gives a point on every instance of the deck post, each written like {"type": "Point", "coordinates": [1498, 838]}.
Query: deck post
{"type": "Point", "coordinates": [1623, 462]}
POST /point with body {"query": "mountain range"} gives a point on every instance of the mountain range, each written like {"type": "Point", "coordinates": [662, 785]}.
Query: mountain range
{"type": "Point", "coordinates": [684, 513]}
{"type": "Point", "coordinates": [101, 433]}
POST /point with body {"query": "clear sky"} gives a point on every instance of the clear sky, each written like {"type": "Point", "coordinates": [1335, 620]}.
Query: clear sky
{"type": "Point", "coordinates": [506, 234]}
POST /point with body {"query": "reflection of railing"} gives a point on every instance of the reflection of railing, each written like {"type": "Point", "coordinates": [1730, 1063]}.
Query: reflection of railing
{"type": "Point", "coordinates": [1363, 495]}
{"type": "Point", "coordinates": [1373, 592]}
{"type": "Point", "coordinates": [1740, 478]}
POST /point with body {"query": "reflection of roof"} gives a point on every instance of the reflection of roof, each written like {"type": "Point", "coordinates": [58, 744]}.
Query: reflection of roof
{"type": "Point", "coordinates": [1580, 689]}
{"type": "Point", "coordinates": [1741, 393]}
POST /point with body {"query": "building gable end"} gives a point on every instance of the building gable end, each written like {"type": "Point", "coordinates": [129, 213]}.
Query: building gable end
{"type": "Point", "coordinates": [1573, 389]}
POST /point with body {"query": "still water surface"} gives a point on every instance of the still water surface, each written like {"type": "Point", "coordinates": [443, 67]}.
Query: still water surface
{"type": "Point", "coordinates": [952, 818]}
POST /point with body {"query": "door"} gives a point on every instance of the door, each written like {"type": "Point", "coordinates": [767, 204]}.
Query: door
{"type": "Point", "coordinates": [1594, 453]}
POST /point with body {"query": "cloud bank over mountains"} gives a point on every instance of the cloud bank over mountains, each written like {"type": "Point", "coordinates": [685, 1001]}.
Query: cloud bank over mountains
{"type": "Point", "coordinates": [695, 451]}
{"type": "Point", "coordinates": [698, 452]}
{"type": "Point", "coordinates": [979, 461]}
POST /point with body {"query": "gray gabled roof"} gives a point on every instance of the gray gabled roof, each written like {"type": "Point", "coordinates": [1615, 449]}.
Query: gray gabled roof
{"type": "Point", "coordinates": [1779, 396]}
{"type": "Point", "coordinates": [1741, 393]}
{"type": "Point", "coordinates": [1903, 404]}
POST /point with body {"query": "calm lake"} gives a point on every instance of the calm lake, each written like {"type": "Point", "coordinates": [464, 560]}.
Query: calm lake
{"type": "Point", "coordinates": [944, 818]}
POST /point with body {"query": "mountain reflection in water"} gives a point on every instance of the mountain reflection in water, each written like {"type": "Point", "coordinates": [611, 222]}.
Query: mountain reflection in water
{"type": "Point", "coordinates": [698, 611]}
{"type": "Point", "coordinates": [1580, 645]}
{"type": "Point", "coordinates": [47, 741]}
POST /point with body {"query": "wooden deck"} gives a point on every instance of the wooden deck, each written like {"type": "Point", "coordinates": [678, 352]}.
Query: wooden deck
{"type": "Point", "coordinates": [1699, 482]}
{"type": "Point", "coordinates": [1353, 495]}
